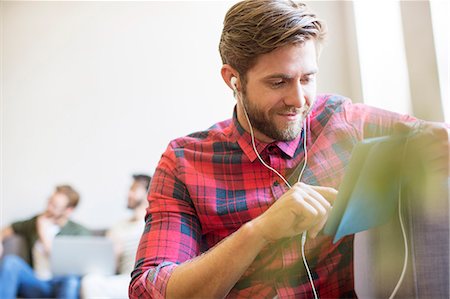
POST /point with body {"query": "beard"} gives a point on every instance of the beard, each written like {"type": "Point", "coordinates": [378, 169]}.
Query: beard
{"type": "Point", "coordinates": [267, 125]}
{"type": "Point", "coordinates": [133, 204]}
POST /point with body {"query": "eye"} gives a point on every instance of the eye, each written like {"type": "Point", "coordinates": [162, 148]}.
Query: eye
{"type": "Point", "coordinates": [308, 78]}
{"type": "Point", "coordinates": [277, 83]}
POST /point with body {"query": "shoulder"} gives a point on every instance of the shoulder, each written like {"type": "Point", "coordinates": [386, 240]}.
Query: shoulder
{"type": "Point", "coordinates": [73, 228]}
{"type": "Point", "coordinates": [125, 227]}
{"type": "Point", "coordinates": [196, 140]}
{"type": "Point", "coordinates": [331, 102]}
{"type": "Point", "coordinates": [328, 106]}
{"type": "Point", "coordinates": [24, 226]}
{"type": "Point", "coordinates": [194, 148]}
{"type": "Point", "coordinates": [120, 226]}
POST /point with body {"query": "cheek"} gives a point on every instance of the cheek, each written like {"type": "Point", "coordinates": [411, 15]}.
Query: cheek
{"type": "Point", "coordinates": [265, 102]}
{"type": "Point", "coordinates": [143, 193]}
{"type": "Point", "coordinates": [310, 96]}
{"type": "Point", "coordinates": [256, 103]}
{"type": "Point", "coordinates": [51, 209]}
{"type": "Point", "coordinates": [310, 90]}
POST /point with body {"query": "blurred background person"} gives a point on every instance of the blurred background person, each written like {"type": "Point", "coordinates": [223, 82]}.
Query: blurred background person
{"type": "Point", "coordinates": [34, 279]}
{"type": "Point", "coordinates": [125, 235]}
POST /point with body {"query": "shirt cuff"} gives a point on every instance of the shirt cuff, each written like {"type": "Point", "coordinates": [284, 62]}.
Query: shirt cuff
{"type": "Point", "coordinates": [158, 277]}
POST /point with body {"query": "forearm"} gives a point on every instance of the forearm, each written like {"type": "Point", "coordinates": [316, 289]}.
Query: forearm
{"type": "Point", "coordinates": [302, 208]}
{"type": "Point", "coordinates": [43, 228]}
{"type": "Point", "coordinates": [46, 242]}
{"type": "Point", "coordinates": [213, 274]}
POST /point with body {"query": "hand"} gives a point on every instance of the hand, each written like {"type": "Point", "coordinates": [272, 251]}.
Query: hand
{"type": "Point", "coordinates": [430, 147]}
{"type": "Point", "coordinates": [43, 222]}
{"type": "Point", "coordinates": [43, 225]}
{"type": "Point", "coordinates": [5, 233]}
{"type": "Point", "coordinates": [302, 208]}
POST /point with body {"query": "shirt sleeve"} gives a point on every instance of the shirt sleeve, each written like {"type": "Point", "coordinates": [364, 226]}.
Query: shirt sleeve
{"type": "Point", "coordinates": [172, 233]}
{"type": "Point", "coordinates": [25, 228]}
{"type": "Point", "coordinates": [74, 229]}
{"type": "Point", "coordinates": [370, 121]}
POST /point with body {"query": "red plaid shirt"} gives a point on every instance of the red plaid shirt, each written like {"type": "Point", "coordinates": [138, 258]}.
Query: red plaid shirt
{"type": "Point", "coordinates": [208, 184]}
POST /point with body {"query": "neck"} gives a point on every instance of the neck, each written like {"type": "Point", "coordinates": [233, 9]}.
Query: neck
{"type": "Point", "coordinates": [61, 221]}
{"type": "Point", "coordinates": [139, 213]}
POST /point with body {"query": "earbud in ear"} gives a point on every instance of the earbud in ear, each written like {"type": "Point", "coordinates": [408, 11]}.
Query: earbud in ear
{"type": "Point", "coordinates": [233, 82]}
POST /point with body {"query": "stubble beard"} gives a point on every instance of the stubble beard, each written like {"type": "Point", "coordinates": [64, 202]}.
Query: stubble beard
{"type": "Point", "coordinates": [268, 127]}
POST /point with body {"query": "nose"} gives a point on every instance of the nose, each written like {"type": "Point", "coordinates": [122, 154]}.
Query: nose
{"type": "Point", "coordinates": [296, 97]}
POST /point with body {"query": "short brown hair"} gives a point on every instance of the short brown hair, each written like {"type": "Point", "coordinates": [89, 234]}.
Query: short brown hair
{"type": "Point", "coordinates": [143, 179]}
{"type": "Point", "coordinates": [71, 194]}
{"type": "Point", "coordinates": [255, 27]}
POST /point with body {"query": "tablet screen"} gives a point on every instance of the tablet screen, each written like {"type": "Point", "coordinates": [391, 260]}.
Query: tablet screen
{"type": "Point", "coordinates": [369, 192]}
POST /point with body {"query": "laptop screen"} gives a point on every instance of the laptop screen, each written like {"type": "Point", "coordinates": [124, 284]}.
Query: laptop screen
{"type": "Point", "coordinates": [80, 255]}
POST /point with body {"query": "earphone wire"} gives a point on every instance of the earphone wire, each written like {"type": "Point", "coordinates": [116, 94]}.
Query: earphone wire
{"type": "Point", "coordinates": [257, 154]}
{"type": "Point", "coordinates": [415, 129]}
{"type": "Point", "coordinates": [304, 234]}
{"type": "Point", "coordinates": [405, 242]}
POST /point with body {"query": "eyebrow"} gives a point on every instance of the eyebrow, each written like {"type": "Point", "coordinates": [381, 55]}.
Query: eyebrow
{"type": "Point", "coordinates": [286, 76]}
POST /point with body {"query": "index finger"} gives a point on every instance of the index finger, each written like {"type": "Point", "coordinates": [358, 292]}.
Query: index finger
{"type": "Point", "coordinates": [328, 193]}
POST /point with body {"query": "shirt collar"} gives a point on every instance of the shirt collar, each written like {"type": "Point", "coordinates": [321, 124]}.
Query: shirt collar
{"type": "Point", "coordinates": [244, 139]}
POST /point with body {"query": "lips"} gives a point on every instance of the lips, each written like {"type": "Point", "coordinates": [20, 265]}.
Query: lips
{"type": "Point", "coordinates": [293, 114]}
{"type": "Point", "coordinates": [290, 116]}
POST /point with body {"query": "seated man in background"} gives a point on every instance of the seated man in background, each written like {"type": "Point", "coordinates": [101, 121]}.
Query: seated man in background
{"type": "Point", "coordinates": [17, 277]}
{"type": "Point", "coordinates": [125, 235]}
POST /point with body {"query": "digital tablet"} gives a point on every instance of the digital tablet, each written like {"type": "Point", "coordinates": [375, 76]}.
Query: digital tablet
{"type": "Point", "coordinates": [369, 192]}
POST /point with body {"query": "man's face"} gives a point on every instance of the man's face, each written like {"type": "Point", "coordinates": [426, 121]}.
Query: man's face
{"type": "Point", "coordinates": [57, 206]}
{"type": "Point", "coordinates": [136, 195]}
{"type": "Point", "coordinates": [280, 90]}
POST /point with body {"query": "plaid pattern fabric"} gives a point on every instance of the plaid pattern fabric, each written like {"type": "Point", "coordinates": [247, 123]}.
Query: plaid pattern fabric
{"type": "Point", "coordinates": [208, 184]}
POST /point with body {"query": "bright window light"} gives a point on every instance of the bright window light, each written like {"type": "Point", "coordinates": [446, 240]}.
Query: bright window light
{"type": "Point", "coordinates": [384, 72]}
{"type": "Point", "coordinates": [441, 22]}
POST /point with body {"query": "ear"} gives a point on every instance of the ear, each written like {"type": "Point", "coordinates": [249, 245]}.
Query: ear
{"type": "Point", "coordinates": [227, 73]}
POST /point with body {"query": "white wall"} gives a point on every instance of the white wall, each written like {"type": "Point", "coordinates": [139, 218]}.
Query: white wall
{"type": "Point", "coordinates": [93, 92]}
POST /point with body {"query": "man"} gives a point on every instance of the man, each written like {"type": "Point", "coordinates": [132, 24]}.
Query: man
{"type": "Point", "coordinates": [17, 278]}
{"type": "Point", "coordinates": [222, 219]}
{"type": "Point", "coordinates": [125, 235]}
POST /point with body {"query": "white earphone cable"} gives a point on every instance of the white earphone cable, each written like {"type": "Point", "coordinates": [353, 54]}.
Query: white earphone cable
{"type": "Point", "coordinates": [256, 151]}
{"type": "Point", "coordinates": [405, 242]}
{"type": "Point", "coordinates": [415, 129]}
{"type": "Point", "coordinates": [304, 234]}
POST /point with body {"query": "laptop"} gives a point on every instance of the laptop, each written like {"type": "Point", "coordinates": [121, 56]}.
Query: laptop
{"type": "Point", "coordinates": [81, 255]}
